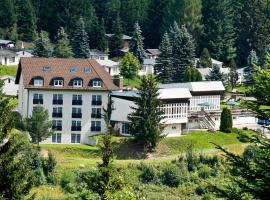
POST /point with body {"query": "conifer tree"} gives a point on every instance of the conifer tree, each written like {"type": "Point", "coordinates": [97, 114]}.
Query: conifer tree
{"type": "Point", "coordinates": [42, 45]}
{"type": "Point", "coordinates": [252, 60]}
{"type": "Point", "coordinates": [62, 48]}
{"type": "Point", "coordinates": [26, 20]}
{"type": "Point", "coordinates": [233, 74]}
{"type": "Point", "coordinates": [146, 118]}
{"type": "Point", "coordinates": [226, 121]}
{"type": "Point", "coordinates": [215, 74]}
{"type": "Point", "coordinates": [137, 46]}
{"type": "Point", "coordinates": [117, 40]}
{"type": "Point", "coordinates": [192, 75]}
{"type": "Point", "coordinates": [103, 45]}
{"type": "Point", "coordinates": [80, 43]}
{"type": "Point", "coordinates": [205, 59]}
{"type": "Point", "coordinates": [183, 51]}
{"type": "Point", "coordinates": [163, 67]}
{"type": "Point", "coordinates": [7, 14]}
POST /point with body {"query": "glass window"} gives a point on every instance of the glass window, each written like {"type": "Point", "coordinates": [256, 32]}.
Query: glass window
{"type": "Point", "coordinates": [73, 69]}
{"type": "Point", "coordinates": [58, 82]}
{"type": "Point", "coordinates": [75, 138]}
{"type": "Point", "coordinates": [76, 110]}
{"type": "Point", "coordinates": [12, 59]}
{"type": "Point", "coordinates": [56, 137]}
{"type": "Point", "coordinates": [126, 129]}
{"type": "Point", "coordinates": [77, 83]}
{"type": "Point", "coordinates": [58, 96]}
{"type": "Point", "coordinates": [96, 98]}
{"type": "Point", "coordinates": [38, 82]}
{"type": "Point", "coordinates": [87, 70]}
{"type": "Point", "coordinates": [57, 110]}
{"type": "Point", "coordinates": [97, 83]}
{"type": "Point", "coordinates": [38, 99]}
{"type": "Point", "coordinates": [77, 97]}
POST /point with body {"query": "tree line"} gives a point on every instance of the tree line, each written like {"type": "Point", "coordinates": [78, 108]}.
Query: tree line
{"type": "Point", "coordinates": [228, 29]}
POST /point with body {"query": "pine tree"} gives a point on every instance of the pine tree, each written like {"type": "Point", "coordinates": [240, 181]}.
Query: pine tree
{"type": "Point", "coordinates": [205, 59]}
{"type": "Point", "coordinates": [137, 46]}
{"type": "Point", "coordinates": [183, 51]}
{"type": "Point", "coordinates": [219, 33]}
{"type": "Point", "coordinates": [233, 74]}
{"type": "Point", "coordinates": [226, 121]}
{"type": "Point", "coordinates": [250, 70]}
{"type": "Point", "coordinates": [145, 120]}
{"type": "Point", "coordinates": [7, 14]}
{"type": "Point", "coordinates": [62, 48]}
{"type": "Point", "coordinates": [163, 67]}
{"type": "Point", "coordinates": [103, 45]}
{"type": "Point", "coordinates": [80, 43]}
{"type": "Point", "coordinates": [112, 7]}
{"type": "Point", "coordinates": [42, 45]}
{"type": "Point", "coordinates": [117, 40]}
{"type": "Point", "coordinates": [38, 125]}
{"type": "Point", "coordinates": [215, 74]}
{"type": "Point", "coordinates": [192, 75]}
{"type": "Point", "coordinates": [26, 23]}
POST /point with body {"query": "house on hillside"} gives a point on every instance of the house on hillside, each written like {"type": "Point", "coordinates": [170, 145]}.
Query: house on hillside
{"type": "Point", "coordinates": [152, 53]}
{"type": "Point", "coordinates": [186, 106]}
{"type": "Point", "coordinates": [9, 87]}
{"type": "Point", "coordinates": [8, 57]}
{"type": "Point", "coordinates": [74, 91]}
{"type": "Point", "coordinates": [126, 40]}
{"type": "Point", "coordinates": [214, 62]}
{"type": "Point", "coordinates": [98, 55]}
{"type": "Point", "coordinates": [147, 67]}
{"type": "Point", "coordinates": [24, 54]}
{"type": "Point", "coordinates": [6, 44]}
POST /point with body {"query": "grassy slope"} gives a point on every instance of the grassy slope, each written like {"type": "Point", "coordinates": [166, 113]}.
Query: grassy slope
{"type": "Point", "coordinates": [8, 70]}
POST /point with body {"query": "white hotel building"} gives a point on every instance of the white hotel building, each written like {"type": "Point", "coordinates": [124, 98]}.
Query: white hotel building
{"type": "Point", "coordinates": [75, 91]}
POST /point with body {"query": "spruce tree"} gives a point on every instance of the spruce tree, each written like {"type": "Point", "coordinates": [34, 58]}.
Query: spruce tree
{"type": "Point", "coordinates": [183, 51]}
{"type": "Point", "coordinates": [7, 14]}
{"type": "Point", "coordinates": [252, 60]}
{"type": "Point", "coordinates": [226, 121]}
{"type": "Point", "coordinates": [26, 20]}
{"type": "Point", "coordinates": [103, 44]}
{"type": "Point", "coordinates": [62, 48]}
{"type": "Point", "coordinates": [117, 40]}
{"type": "Point", "coordinates": [137, 46]}
{"type": "Point", "coordinates": [145, 120]}
{"type": "Point", "coordinates": [233, 74]}
{"type": "Point", "coordinates": [192, 75]}
{"type": "Point", "coordinates": [205, 59]}
{"type": "Point", "coordinates": [163, 66]}
{"type": "Point", "coordinates": [42, 45]}
{"type": "Point", "coordinates": [215, 74]}
{"type": "Point", "coordinates": [80, 43]}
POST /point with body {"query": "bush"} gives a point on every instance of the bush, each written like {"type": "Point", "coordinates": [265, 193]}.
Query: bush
{"type": "Point", "coordinates": [200, 190]}
{"type": "Point", "coordinates": [204, 172]}
{"type": "Point", "coordinates": [170, 177]}
{"type": "Point", "coordinates": [250, 152]}
{"type": "Point", "coordinates": [67, 181]}
{"type": "Point", "coordinates": [49, 164]}
{"type": "Point", "coordinates": [148, 174]}
{"type": "Point", "coordinates": [226, 121]}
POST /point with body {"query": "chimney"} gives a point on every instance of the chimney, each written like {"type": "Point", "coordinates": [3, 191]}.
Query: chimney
{"type": "Point", "coordinates": [118, 81]}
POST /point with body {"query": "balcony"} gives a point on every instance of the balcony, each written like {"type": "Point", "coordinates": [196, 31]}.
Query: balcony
{"type": "Point", "coordinates": [37, 101]}
{"type": "Point", "coordinates": [57, 128]}
{"type": "Point", "coordinates": [174, 113]}
{"type": "Point", "coordinates": [96, 115]}
{"type": "Point", "coordinates": [57, 115]}
{"type": "Point", "coordinates": [96, 103]}
{"type": "Point", "coordinates": [76, 115]}
{"type": "Point", "coordinates": [76, 102]}
{"type": "Point", "coordinates": [76, 128]}
{"type": "Point", "coordinates": [57, 101]}
{"type": "Point", "coordinates": [96, 128]}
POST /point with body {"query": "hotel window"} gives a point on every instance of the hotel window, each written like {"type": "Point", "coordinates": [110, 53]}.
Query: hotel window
{"type": "Point", "coordinates": [58, 99]}
{"type": "Point", "coordinates": [56, 137]}
{"type": "Point", "coordinates": [58, 83]}
{"type": "Point", "coordinates": [76, 126]}
{"type": "Point", "coordinates": [77, 83]}
{"type": "Point", "coordinates": [97, 100]}
{"type": "Point", "coordinates": [76, 113]}
{"type": "Point", "coordinates": [126, 129]}
{"type": "Point", "coordinates": [96, 113]}
{"type": "Point", "coordinates": [95, 126]}
{"type": "Point", "coordinates": [38, 99]}
{"type": "Point", "coordinates": [77, 99]}
{"type": "Point", "coordinates": [57, 112]}
{"type": "Point", "coordinates": [38, 82]}
{"type": "Point", "coordinates": [96, 83]}
{"type": "Point", "coordinates": [57, 125]}
{"type": "Point", "coordinates": [75, 138]}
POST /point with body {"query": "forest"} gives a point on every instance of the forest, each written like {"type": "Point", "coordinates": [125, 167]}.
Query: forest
{"type": "Point", "coordinates": [228, 29]}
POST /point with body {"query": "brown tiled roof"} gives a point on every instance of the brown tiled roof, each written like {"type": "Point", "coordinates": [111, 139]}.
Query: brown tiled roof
{"type": "Point", "coordinates": [60, 67]}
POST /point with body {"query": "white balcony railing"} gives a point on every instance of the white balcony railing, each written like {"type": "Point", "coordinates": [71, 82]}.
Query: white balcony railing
{"type": "Point", "coordinates": [175, 110]}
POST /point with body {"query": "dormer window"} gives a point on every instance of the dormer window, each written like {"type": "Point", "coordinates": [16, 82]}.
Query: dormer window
{"type": "Point", "coordinates": [58, 83]}
{"type": "Point", "coordinates": [96, 83]}
{"type": "Point", "coordinates": [38, 82]}
{"type": "Point", "coordinates": [77, 83]}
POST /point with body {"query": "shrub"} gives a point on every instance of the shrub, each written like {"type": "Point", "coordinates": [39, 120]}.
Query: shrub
{"type": "Point", "coordinates": [49, 164]}
{"type": "Point", "coordinates": [148, 174]}
{"type": "Point", "coordinates": [226, 121]}
{"type": "Point", "coordinates": [67, 181]}
{"type": "Point", "coordinates": [250, 152]}
{"type": "Point", "coordinates": [192, 159]}
{"type": "Point", "coordinates": [204, 172]}
{"type": "Point", "coordinates": [170, 177]}
{"type": "Point", "coordinates": [200, 190]}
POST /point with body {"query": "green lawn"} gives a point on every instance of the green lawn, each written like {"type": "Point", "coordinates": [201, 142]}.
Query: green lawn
{"type": "Point", "coordinates": [8, 70]}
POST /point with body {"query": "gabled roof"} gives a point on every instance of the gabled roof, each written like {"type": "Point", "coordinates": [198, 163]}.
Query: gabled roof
{"type": "Point", "coordinates": [202, 86]}
{"type": "Point", "coordinates": [125, 37]}
{"type": "Point", "coordinates": [49, 68]}
{"type": "Point", "coordinates": [107, 63]}
{"type": "Point", "coordinates": [5, 52]}
{"type": "Point", "coordinates": [153, 51]}
{"type": "Point", "coordinates": [6, 42]}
